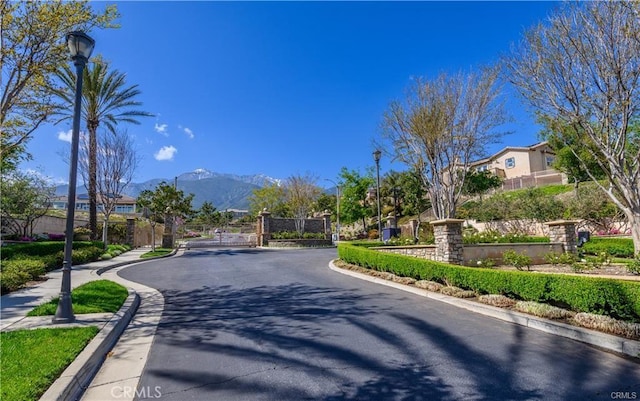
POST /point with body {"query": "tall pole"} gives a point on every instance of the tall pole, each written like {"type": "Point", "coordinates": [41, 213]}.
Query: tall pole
{"type": "Point", "coordinates": [376, 157]}
{"type": "Point", "coordinates": [64, 311]}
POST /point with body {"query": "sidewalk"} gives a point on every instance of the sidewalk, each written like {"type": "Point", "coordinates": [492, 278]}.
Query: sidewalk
{"type": "Point", "coordinates": [15, 305]}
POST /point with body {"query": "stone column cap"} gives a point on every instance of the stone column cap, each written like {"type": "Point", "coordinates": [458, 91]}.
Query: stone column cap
{"type": "Point", "coordinates": [446, 221]}
{"type": "Point", "coordinates": [562, 222]}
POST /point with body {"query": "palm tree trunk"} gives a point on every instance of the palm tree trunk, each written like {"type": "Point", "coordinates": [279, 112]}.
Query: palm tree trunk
{"type": "Point", "coordinates": [93, 193]}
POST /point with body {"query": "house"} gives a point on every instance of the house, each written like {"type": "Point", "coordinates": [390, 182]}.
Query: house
{"type": "Point", "coordinates": [523, 166]}
{"type": "Point", "coordinates": [124, 204]}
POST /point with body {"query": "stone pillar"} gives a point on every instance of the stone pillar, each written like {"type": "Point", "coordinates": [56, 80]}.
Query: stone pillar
{"type": "Point", "coordinates": [326, 219]}
{"type": "Point", "coordinates": [449, 246]}
{"type": "Point", "coordinates": [264, 231]}
{"type": "Point", "coordinates": [564, 232]}
{"type": "Point", "coordinates": [131, 232]}
{"type": "Point", "coordinates": [391, 221]}
{"type": "Point", "coordinates": [167, 234]}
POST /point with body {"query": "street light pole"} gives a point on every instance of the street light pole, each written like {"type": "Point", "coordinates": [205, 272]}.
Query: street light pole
{"type": "Point", "coordinates": [337, 207]}
{"type": "Point", "coordinates": [80, 47]}
{"type": "Point", "coordinates": [376, 156]}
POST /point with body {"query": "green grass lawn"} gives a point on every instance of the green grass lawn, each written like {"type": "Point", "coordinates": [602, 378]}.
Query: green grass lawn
{"type": "Point", "coordinates": [93, 297]}
{"type": "Point", "coordinates": [33, 359]}
{"type": "Point", "coordinates": [158, 252]}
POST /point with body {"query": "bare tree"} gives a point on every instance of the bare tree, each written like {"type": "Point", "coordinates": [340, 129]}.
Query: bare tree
{"type": "Point", "coordinates": [441, 127]}
{"type": "Point", "coordinates": [581, 72]}
{"type": "Point", "coordinates": [301, 193]}
{"type": "Point", "coordinates": [117, 161]}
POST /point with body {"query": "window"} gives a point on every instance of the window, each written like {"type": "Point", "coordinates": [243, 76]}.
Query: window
{"type": "Point", "coordinates": [482, 168]}
{"type": "Point", "coordinates": [510, 162]}
{"type": "Point", "coordinates": [550, 160]}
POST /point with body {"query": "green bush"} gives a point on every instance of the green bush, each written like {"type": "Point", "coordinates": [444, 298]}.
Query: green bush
{"type": "Point", "coordinates": [494, 237]}
{"type": "Point", "coordinates": [85, 255]}
{"type": "Point", "coordinates": [15, 274]}
{"type": "Point", "coordinates": [616, 298]}
{"type": "Point", "coordinates": [618, 247]}
{"type": "Point", "coordinates": [44, 248]}
{"type": "Point", "coordinates": [517, 260]}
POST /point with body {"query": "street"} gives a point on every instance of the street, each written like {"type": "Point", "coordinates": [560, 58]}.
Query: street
{"type": "Point", "coordinates": [258, 324]}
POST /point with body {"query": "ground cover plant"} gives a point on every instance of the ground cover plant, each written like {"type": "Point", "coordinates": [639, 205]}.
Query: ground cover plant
{"type": "Point", "coordinates": [33, 359]}
{"type": "Point", "coordinates": [157, 252]}
{"type": "Point", "coordinates": [101, 296]}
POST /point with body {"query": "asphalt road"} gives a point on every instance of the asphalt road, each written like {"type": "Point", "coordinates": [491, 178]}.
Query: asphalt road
{"type": "Point", "coordinates": [258, 324]}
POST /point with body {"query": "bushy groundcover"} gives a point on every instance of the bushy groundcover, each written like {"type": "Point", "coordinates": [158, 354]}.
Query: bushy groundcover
{"type": "Point", "coordinates": [615, 298]}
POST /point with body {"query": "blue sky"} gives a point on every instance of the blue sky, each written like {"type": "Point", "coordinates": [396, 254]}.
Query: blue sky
{"type": "Point", "coordinates": [283, 88]}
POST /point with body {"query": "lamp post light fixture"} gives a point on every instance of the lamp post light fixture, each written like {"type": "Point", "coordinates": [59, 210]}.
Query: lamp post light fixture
{"type": "Point", "coordinates": [376, 156]}
{"type": "Point", "coordinates": [80, 48]}
{"type": "Point", "coordinates": [337, 207]}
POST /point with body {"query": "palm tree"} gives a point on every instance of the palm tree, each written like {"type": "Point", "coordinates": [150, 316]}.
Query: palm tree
{"type": "Point", "coordinates": [105, 99]}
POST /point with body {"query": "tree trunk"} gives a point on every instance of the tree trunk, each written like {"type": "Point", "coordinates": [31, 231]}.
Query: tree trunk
{"type": "Point", "coordinates": [105, 231]}
{"type": "Point", "coordinates": [153, 237]}
{"type": "Point", "coordinates": [93, 192]}
{"type": "Point", "coordinates": [634, 222]}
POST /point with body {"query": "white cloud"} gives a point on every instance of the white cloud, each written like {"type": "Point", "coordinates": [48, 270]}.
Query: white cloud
{"type": "Point", "coordinates": [161, 129]}
{"type": "Point", "coordinates": [65, 136]}
{"type": "Point", "coordinates": [165, 153]}
{"type": "Point", "coordinates": [189, 133]}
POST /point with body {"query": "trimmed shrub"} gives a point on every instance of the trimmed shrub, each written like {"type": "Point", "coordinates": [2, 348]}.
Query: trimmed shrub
{"type": "Point", "coordinates": [616, 298]}
{"type": "Point", "coordinates": [618, 247]}
{"type": "Point", "coordinates": [44, 248]}
{"type": "Point", "coordinates": [517, 260]}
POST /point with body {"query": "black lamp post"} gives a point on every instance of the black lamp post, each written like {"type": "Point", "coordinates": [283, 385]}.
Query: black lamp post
{"type": "Point", "coordinates": [376, 156]}
{"type": "Point", "coordinates": [80, 47]}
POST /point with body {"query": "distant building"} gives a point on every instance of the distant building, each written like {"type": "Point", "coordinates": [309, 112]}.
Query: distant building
{"type": "Point", "coordinates": [522, 167]}
{"type": "Point", "coordinates": [124, 204]}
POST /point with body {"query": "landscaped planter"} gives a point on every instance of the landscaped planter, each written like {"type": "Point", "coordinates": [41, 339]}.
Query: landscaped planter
{"type": "Point", "coordinates": [299, 243]}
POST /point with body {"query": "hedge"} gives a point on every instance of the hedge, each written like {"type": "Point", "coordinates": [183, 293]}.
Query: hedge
{"type": "Point", "coordinates": [619, 247]}
{"type": "Point", "coordinates": [16, 272]}
{"type": "Point", "coordinates": [43, 248]}
{"type": "Point", "coordinates": [615, 298]}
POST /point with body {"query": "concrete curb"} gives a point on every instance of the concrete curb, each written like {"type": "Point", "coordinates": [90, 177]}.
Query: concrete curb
{"type": "Point", "coordinates": [602, 340]}
{"type": "Point", "coordinates": [130, 262]}
{"type": "Point", "coordinates": [77, 376]}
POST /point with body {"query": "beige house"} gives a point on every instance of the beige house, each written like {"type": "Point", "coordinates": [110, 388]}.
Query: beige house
{"type": "Point", "coordinates": [524, 166]}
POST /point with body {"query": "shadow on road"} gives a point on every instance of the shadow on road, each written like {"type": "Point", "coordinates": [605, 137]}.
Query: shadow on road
{"type": "Point", "coordinates": [291, 331]}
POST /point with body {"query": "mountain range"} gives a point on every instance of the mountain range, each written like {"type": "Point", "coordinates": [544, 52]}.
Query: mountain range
{"type": "Point", "coordinates": [224, 191]}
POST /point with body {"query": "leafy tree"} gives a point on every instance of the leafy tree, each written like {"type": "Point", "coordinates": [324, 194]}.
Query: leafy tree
{"type": "Point", "coordinates": [415, 199]}
{"type": "Point", "coordinates": [325, 202]}
{"type": "Point", "coordinates": [391, 193]}
{"type": "Point", "coordinates": [31, 50]}
{"type": "Point", "coordinates": [441, 127]}
{"type": "Point", "coordinates": [271, 198]}
{"type": "Point", "coordinates": [24, 197]}
{"type": "Point", "coordinates": [566, 160]}
{"type": "Point", "coordinates": [354, 199]}
{"type": "Point", "coordinates": [480, 182]}
{"type": "Point", "coordinates": [301, 192]}
{"type": "Point", "coordinates": [164, 203]}
{"type": "Point", "coordinates": [580, 70]}
{"type": "Point", "coordinates": [106, 99]}
{"type": "Point", "coordinates": [208, 215]}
